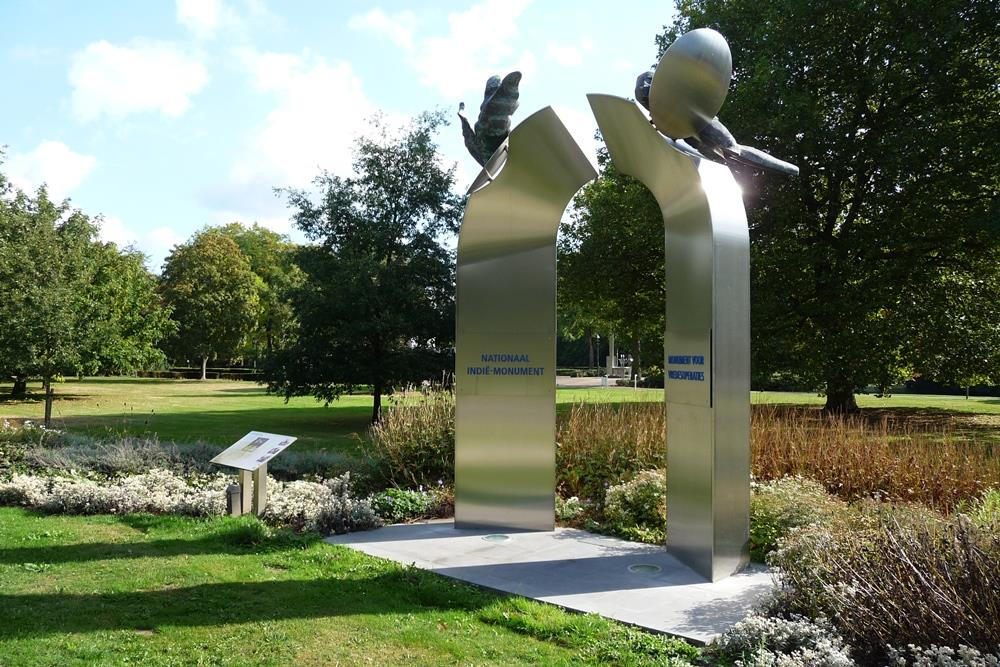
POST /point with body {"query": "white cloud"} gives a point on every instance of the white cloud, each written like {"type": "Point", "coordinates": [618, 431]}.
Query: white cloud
{"type": "Point", "coordinates": [156, 244]}
{"type": "Point", "coordinates": [203, 17]}
{"type": "Point", "coordinates": [398, 28]}
{"type": "Point", "coordinates": [206, 18]}
{"type": "Point", "coordinates": [476, 45]}
{"type": "Point", "coordinates": [144, 77]}
{"type": "Point", "coordinates": [53, 163]}
{"type": "Point", "coordinates": [565, 55]}
{"type": "Point", "coordinates": [113, 230]}
{"type": "Point", "coordinates": [321, 109]}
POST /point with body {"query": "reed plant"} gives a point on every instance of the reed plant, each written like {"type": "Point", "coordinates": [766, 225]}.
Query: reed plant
{"type": "Point", "coordinates": [894, 459]}
{"type": "Point", "coordinates": [600, 445]}
{"type": "Point", "coordinates": [603, 444]}
{"type": "Point", "coordinates": [896, 579]}
{"type": "Point", "coordinates": [413, 444]}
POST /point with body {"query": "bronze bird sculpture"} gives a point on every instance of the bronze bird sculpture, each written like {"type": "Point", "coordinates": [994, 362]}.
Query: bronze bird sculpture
{"type": "Point", "coordinates": [715, 142]}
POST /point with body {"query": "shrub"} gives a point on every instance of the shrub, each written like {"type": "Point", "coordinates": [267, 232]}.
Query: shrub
{"type": "Point", "coordinates": [342, 513]}
{"type": "Point", "coordinates": [327, 506]}
{"type": "Point", "coordinates": [295, 504]}
{"type": "Point", "coordinates": [884, 582]}
{"type": "Point", "coordinates": [778, 506]}
{"type": "Point", "coordinates": [66, 453]}
{"type": "Point", "coordinates": [569, 509]}
{"type": "Point", "coordinates": [986, 510]}
{"type": "Point", "coordinates": [155, 492]}
{"type": "Point", "coordinates": [652, 377]}
{"type": "Point", "coordinates": [761, 641]}
{"type": "Point", "coordinates": [604, 444]}
{"type": "Point", "coordinates": [639, 502]}
{"type": "Point", "coordinates": [400, 505]}
{"type": "Point", "coordinates": [414, 443]}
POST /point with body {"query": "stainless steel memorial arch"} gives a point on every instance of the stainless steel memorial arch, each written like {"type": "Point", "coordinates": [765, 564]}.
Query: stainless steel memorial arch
{"type": "Point", "coordinates": [707, 339]}
{"type": "Point", "coordinates": [505, 354]}
{"type": "Point", "coordinates": [505, 421]}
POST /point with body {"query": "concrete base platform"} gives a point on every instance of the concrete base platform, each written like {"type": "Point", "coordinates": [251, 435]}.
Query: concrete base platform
{"type": "Point", "coordinates": [635, 583]}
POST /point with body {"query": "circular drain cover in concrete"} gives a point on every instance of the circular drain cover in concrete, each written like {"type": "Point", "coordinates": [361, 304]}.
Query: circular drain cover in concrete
{"type": "Point", "coordinates": [643, 568]}
{"type": "Point", "coordinates": [496, 537]}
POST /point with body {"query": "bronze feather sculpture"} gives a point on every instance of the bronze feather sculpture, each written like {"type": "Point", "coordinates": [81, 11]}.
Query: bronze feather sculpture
{"type": "Point", "coordinates": [493, 124]}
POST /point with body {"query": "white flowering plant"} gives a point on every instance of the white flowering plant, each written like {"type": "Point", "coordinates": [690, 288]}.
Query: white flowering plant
{"type": "Point", "coordinates": [762, 641]}
{"type": "Point", "coordinates": [324, 506]}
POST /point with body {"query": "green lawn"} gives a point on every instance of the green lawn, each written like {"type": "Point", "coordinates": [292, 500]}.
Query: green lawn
{"type": "Point", "coordinates": [980, 405]}
{"type": "Point", "coordinates": [150, 590]}
{"type": "Point", "coordinates": [216, 411]}
{"type": "Point", "coordinates": [220, 411]}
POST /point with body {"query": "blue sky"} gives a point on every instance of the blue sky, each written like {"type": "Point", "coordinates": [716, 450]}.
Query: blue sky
{"type": "Point", "coordinates": [165, 116]}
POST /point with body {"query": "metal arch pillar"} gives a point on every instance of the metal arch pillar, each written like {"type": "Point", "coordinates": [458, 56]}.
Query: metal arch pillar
{"type": "Point", "coordinates": [707, 339]}
{"type": "Point", "coordinates": [505, 342]}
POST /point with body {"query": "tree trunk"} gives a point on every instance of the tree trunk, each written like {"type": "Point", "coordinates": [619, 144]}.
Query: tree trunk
{"type": "Point", "coordinates": [590, 348]}
{"type": "Point", "coordinates": [636, 356]}
{"type": "Point", "coordinates": [840, 398]}
{"type": "Point", "coordinates": [377, 402]}
{"type": "Point", "coordinates": [204, 368]}
{"type": "Point", "coordinates": [20, 388]}
{"type": "Point", "coordinates": [47, 385]}
{"type": "Point", "coordinates": [966, 393]}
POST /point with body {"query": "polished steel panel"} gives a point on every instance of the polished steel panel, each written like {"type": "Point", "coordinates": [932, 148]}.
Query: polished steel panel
{"type": "Point", "coordinates": [506, 328]}
{"type": "Point", "coordinates": [707, 339]}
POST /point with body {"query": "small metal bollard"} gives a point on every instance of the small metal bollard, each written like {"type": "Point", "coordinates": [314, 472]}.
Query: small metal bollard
{"type": "Point", "coordinates": [234, 500]}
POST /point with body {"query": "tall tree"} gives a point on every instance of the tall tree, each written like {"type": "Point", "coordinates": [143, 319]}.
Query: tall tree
{"type": "Point", "coordinates": [69, 303]}
{"type": "Point", "coordinates": [611, 271]}
{"type": "Point", "coordinates": [43, 276]}
{"type": "Point", "coordinates": [377, 305]}
{"type": "Point", "coordinates": [890, 111]}
{"type": "Point", "coordinates": [272, 258]}
{"type": "Point", "coordinates": [214, 295]}
{"type": "Point", "coordinates": [128, 320]}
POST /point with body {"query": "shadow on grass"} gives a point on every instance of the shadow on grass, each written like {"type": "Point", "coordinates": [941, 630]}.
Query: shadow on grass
{"type": "Point", "coordinates": [234, 544]}
{"type": "Point", "coordinates": [397, 591]}
{"type": "Point", "coordinates": [347, 584]}
{"type": "Point", "coordinates": [31, 398]}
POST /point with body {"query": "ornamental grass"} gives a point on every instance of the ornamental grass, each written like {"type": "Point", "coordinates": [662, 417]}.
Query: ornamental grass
{"type": "Point", "coordinates": [895, 459]}
{"type": "Point", "coordinates": [892, 458]}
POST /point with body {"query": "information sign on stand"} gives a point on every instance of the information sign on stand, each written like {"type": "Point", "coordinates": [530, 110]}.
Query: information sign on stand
{"type": "Point", "coordinates": [250, 455]}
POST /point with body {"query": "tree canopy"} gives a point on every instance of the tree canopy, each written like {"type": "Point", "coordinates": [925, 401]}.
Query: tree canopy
{"type": "Point", "coordinates": [214, 294]}
{"type": "Point", "coordinates": [890, 111]}
{"type": "Point", "coordinates": [377, 303]}
{"type": "Point", "coordinates": [611, 260]}
{"type": "Point", "coordinates": [70, 304]}
{"type": "Point", "coordinates": [272, 259]}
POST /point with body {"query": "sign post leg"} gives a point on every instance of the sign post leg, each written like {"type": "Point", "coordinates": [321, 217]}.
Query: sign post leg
{"type": "Point", "coordinates": [246, 491]}
{"type": "Point", "coordinates": [260, 489]}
